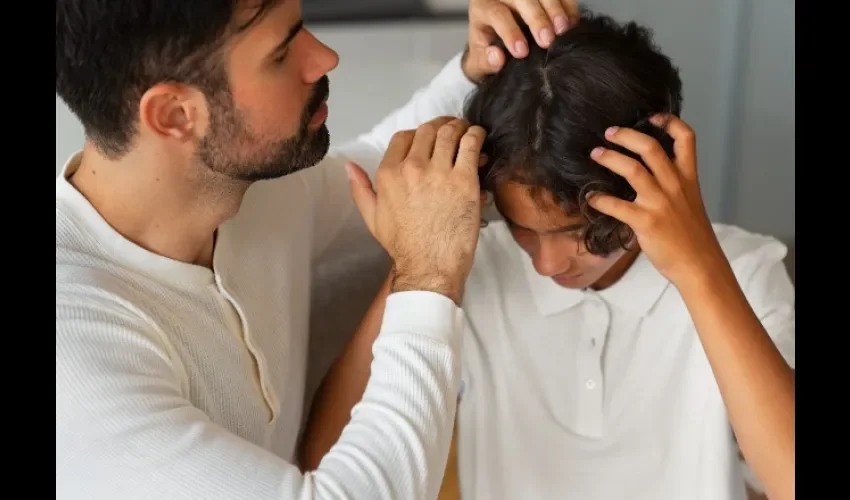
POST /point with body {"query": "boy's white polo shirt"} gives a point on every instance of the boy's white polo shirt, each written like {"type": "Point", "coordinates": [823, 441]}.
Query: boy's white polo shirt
{"type": "Point", "coordinates": [601, 395]}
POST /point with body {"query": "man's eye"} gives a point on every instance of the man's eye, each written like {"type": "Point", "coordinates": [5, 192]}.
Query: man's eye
{"type": "Point", "coordinates": [279, 59]}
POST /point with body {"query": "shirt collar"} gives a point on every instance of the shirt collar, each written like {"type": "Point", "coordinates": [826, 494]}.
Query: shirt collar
{"type": "Point", "coordinates": [72, 163]}
{"type": "Point", "coordinates": [113, 244]}
{"type": "Point", "coordinates": [637, 291]}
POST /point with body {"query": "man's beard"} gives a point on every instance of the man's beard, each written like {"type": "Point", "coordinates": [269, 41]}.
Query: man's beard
{"type": "Point", "coordinates": [232, 149]}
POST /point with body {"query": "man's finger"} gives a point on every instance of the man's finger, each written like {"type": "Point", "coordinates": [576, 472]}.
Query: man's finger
{"type": "Point", "coordinates": [363, 194]}
{"type": "Point", "coordinates": [571, 7]}
{"type": "Point", "coordinates": [469, 151]}
{"type": "Point", "coordinates": [446, 145]}
{"type": "Point", "coordinates": [397, 149]}
{"type": "Point", "coordinates": [424, 137]}
{"type": "Point", "coordinates": [492, 58]}
{"type": "Point", "coordinates": [651, 152]}
{"type": "Point", "coordinates": [684, 142]}
{"type": "Point", "coordinates": [536, 19]}
{"type": "Point", "coordinates": [501, 20]}
{"type": "Point", "coordinates": [624, 211]}
{"type": "Point", "coordinates": [557, 14]}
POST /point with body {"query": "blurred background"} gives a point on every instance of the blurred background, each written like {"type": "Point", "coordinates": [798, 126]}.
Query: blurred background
{"type": "Point", "coordinates": [736, 59]}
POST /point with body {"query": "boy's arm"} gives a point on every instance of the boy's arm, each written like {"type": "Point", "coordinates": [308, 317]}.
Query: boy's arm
{"type": "Point", "coordinates": [343, 386]}
{"type": "Point", "coordinates": [450, 489]}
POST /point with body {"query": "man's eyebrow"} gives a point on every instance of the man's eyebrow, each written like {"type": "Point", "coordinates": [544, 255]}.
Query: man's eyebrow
{"type": "Point", "coordinates": [577, 226]}
{"type": "Point", "coordinates": [289, 36]}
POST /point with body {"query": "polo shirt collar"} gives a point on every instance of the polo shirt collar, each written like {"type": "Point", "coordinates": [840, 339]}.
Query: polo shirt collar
{"type": "Point", "coordinates": [637, 291]}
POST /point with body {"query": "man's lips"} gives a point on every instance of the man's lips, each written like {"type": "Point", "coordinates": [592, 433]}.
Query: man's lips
{"type": "Point", "coordinates": [321, 114]}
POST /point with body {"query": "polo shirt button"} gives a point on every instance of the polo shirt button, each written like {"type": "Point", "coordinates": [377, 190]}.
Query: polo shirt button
{"type": "Point", "coordinates": [589, 383]}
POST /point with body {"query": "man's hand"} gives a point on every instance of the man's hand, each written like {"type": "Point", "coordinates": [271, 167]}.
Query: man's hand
{"type": "Point", "coordinates": [490, 20]}
{"type": "Point", "coordinates": [668, 216]}
{"type": "Point", "coordinates": [427, 210]}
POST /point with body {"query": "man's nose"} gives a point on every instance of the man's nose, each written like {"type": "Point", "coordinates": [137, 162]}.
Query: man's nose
{"type": "Point", "coordinates": [323, 59]}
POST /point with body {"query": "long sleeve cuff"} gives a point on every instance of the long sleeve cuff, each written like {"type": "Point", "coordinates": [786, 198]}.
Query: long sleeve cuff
{"type": "Point", "coordinates": [423, 313]}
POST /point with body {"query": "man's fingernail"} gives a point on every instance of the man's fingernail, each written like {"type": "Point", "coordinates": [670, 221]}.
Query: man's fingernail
{"type": "Point", "coordinates": [520, 48]}
{"type": "Point", "coordinates": [657, 120]}
{"type": "Point", "coordinates": [493, 56]}
{"type": "Point", "coordinates": [561, 24]}
{"type": "Point", "coordinates": [546, 36]}
{"type": "Point", "coordinates": [597, 152]}
{"type": "Point", "coordinates": [611, 131]}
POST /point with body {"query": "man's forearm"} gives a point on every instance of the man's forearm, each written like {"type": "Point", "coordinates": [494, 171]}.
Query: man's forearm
{"type": "Point", "coordinates": [395, 445]}
{"type": "Point", "coordinates": [756, 383]}
{"type": "Point", "coordinates": [343, 386]}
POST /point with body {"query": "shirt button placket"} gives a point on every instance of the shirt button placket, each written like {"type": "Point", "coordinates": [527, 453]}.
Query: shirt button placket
{"type": "Point", "coordinates": [590, 367]}
{"type": "Point", "coordinates": [259, 361]}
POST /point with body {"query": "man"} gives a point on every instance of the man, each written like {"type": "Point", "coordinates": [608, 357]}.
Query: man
{"type": "Point", "coordinates": [614, 333]}
{"type": "Point", "coordinates": [182, 283]}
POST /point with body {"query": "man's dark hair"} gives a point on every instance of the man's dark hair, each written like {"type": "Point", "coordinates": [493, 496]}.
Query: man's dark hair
{"type": "Point", "coordinates": [108, 53]}
{"type": "Point", "coordinates": [545, 113]}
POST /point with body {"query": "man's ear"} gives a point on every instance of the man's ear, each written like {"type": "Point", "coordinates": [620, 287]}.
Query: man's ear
{"type": "Point", "coordinates": [172, 111]}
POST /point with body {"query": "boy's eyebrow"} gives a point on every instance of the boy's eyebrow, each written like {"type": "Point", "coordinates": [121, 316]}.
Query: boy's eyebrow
{"type": "Point", "coordinates": [576, 226]}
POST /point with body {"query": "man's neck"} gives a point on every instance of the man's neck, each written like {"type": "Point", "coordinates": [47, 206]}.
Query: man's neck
{"type": "Point", "coordinates": [160, 201]}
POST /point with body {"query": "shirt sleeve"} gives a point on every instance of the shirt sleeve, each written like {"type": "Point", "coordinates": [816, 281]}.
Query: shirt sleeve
{"type": "Point", "coordinates": [337, 221]}
{"type": "Point", "coordinates": [124, 423]}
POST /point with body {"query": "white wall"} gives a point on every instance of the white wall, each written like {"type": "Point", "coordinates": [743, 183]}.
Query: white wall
{"type": "Point", "coordinates": [381, 66]}
{"type": "Point", "coordinates": [69, 134]}
{"type": "Point", "coordinates": [761, 187]}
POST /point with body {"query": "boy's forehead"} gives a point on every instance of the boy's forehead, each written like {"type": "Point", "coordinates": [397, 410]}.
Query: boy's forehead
{"type": "Point", "coordinates": [534, 208]}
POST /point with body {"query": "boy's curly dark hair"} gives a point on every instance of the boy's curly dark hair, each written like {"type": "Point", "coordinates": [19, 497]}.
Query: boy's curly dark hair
{"type": "Point", "coordinates": [544, 114]}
